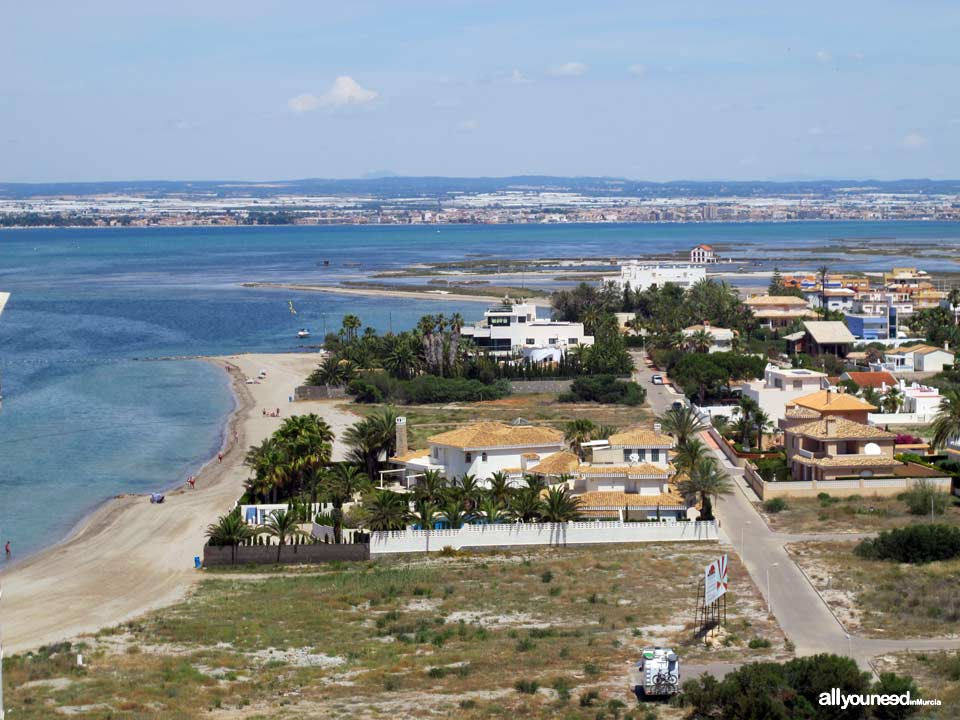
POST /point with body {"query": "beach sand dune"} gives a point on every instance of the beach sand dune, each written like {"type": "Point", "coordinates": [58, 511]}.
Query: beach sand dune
{"type": "Point", "coordinates": [130, 556]}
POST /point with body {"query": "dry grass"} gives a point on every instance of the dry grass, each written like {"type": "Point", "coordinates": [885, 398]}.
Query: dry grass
{"type": "Point", "coordinates": [883, 599]}
{"type": "Point", "coordinates": [856, 514]}
{"type": "Point", "coordinates": [937, 674]}
{"type": "Point", "coordinates": [401, 638]}
{"type": "Point", "coordinates": [543, 409]}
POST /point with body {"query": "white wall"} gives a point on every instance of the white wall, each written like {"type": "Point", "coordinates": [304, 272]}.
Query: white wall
{"type": "Point", "coordinates": [574, 533]}
{"type": "Point", "coordinates": [454, 460]}
{"type": "Point", "coordinates": [773, 401]}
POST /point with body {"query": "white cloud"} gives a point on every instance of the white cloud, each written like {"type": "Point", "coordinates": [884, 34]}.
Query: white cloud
{"type": "Point", "coordinates": [570, 69]}
{"type": "Point", "coordinates": [344, 91]}
{"type": "Point", "coordinates": [824, 56]}
{"type": "Point", "coordinates": [518, 78]}
{"type": "Point", "coordinates": [468, 125]}
{"type": "Point", "coordinates": [638, 70]}
{"type": "Point", "coordinates": [914, 141]}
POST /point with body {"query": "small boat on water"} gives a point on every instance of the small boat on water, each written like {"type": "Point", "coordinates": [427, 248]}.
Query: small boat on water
{"type": "Point", "coordinates": [303, 333]}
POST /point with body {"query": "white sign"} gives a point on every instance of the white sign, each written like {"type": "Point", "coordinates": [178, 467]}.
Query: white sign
{"type": "Point", "coordinates": [715, 580]}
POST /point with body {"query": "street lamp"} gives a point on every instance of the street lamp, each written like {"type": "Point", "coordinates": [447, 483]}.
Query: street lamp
{"type": "Point", "coordinates": [769, 596]}
{"type": "Point", "coordinates": [849, 645]}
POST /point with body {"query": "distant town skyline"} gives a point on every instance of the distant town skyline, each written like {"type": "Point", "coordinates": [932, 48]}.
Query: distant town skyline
{"type": "Point", "coordinates": [686, 90]}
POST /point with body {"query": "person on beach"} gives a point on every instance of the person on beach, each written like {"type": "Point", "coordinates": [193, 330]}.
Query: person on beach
{"type": "Point", "coordinates": [192, 481]}
{"type": "Point", "coordinates": [219, 457]}
{"type": "Point", "coordinates": [7, 548]}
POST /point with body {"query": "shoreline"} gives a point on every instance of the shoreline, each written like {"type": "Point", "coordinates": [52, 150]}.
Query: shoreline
{"type": "Point", "coordinates": [380, 292]}
{"type": "Point", "coordinates": [128, 557]}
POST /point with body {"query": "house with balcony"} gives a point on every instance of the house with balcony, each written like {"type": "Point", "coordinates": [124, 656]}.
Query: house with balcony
{"type": "Point", "coordinates": [703, 255]}
{"type": "Point", "coordinates": [834, 402]}
{"type": "Point", "coordinates": [482, 449]}
{"type": "Point", "coordinates": [641, 276]}
{"type": "Point", "coordinates": [838, 299]}
{"type": "Point", "coordinates": [868, 327]}
{"type": "Point", "coordinates": [916, 358]}
{"type": "Point", "coordinates": [514, 330]}
{"type": "Point", "coordinates": [834, 448]}
{"type": "Point", "coordinates": [781, 386]}
{"type": "Point", "coordinates": [777, 311]}
{"type": "Point", "coordinates": [830, 337]}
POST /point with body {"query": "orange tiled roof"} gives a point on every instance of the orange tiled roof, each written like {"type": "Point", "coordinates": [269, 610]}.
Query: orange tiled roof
{"type": "Point", "coordinates": [561, 463]}
{"type": "Point", "coordinates": [842, 428]}
{"type": "Point", "coordinates": [640, 470]}
{"type": "Point", "coordinates": [614, 499]}
{"type": "Point", "coordinates": [828, 400]}
{"type": "Point", "coordinates": [774, 300]}
{"type": "Point", "coordinates": [640, 437]}
{"type": "Point", "coordinates": [492, 435]}
{"type": "Point", "coordinates": [848, 461]}
{"type": "Point", "coordinates": [410, 455]}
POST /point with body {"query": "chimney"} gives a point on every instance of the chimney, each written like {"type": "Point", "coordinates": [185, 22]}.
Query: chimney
{"type": "Point", "coordinates": [657, 427]}
{"type": "Point", "coordinates": [706, 324]}
{"type": "Point", "coordinates": [830, 423]}
{"type": "Point", "coordinates": [402, 435]}
{"type": "Point", "coordinates": [946, 345]}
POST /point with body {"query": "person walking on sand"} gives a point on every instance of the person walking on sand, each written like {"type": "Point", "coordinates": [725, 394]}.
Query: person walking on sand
{"type": "Point", "coordinates": [220, 457]}
{"type": "Point", "coordinates": [192, 481]}
{"type": "Point", "coordinates": [7, 548]}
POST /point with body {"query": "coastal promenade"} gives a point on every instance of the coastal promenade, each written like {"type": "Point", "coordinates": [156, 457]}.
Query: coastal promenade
{"type": "Point", "coordinates": [130, 556]}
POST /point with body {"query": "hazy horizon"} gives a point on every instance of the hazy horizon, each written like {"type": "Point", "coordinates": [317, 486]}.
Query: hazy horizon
{"type": "Point", "coordinates": [431, 88]}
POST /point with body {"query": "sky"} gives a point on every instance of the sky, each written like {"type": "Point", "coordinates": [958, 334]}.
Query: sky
{"type": "Point", "coordinates": [241, 90]}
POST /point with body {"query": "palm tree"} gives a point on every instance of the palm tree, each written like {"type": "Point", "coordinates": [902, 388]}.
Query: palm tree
{"type": "Point", "coordinates": [946, 425]}
{"type": "Point", "coordinates": [468, 490]}
{"type": "Point", "coordinates": [490, 509]}
{"type": "Point", "coordinates": [822, 272]}
{"type": "Point", "coordinates": [425, 514]}
{"type": "Point", "coordinates": [744, 429]}
{"type": "Point", "coordinates": [577, 433]}
{"type": "Point", "coordinates": [603, 432]}
{"type": "Point", "coordinates": [871, 396]}
{"type": "Point", "coordinates": [386, 510]}
{"type": "Point", "coordinates": [351, 323]}
{"type": "Point", "coordinates": [402, 360]}
{"type": "Point", "coordinates": [700, 341]}
{"type": "Point", "coordinates": [525, 505]}
{"type": "Point", "coordinates": [455, 511]}
{"type": "Point", "coordinates": [891, 400]}
{"type": "Point", "coordinates": [230, 529]}
{"type": "Point", "coordinates": [761, 421]}
{"type": "Point", "coordinates": [953, 297]}
{"type": "Point", "coordinates": [308, 440]}
{"type": "Point", "coordinates": [536, 483]}
{"type": "Point", "coordinates": [271, 465]}
{"type": "Point", "coordinates": [688, 454]}
{"type": "Point", "coordinates": [339, 487]}
{"type": "Point", "coordinates": [431, 486]}
{"type": "Point", "coordinates": [682, 423]}
{"type": "Point", "coordinates": [705, 480]}
{"type": "Point", "coordinates": [283, 526]}
{"type": "Point", "coordinates": [499, 488]}
{"type": "Point", "coordinates": [372, 440]}
{"type": "Point", "coordinates": [559, 506]}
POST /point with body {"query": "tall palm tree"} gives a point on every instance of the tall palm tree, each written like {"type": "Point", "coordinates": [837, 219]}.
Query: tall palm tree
{"type": "Point", "coordinates": [283, 526]}
{"type": "Point", "coordinates": [559, 506]}
{"type": "Point", "coordinates": [401, 359]}
{"type": "Point", "coordinates": [490, 509]}
{"type": "Point", "coordinates": [230, 529]}
{"type": "Point", "coordinates": [892, 400]}
{"type": "Point", "coordinates": [700, 341]}
{"type": "Point", "coordinates": [271, 464]}
{"type": "Point", "coordinates": [425, 514]}
{"type": "Point", "coordinates": [744, 428]}
{"type": "Point", "coordinates": [351, 323]}
{"type": "Point", "coordinates": [822, 273]}
{"type": "Point", "coordinates": [688, 454]}
{"type": "Point", "coordinates": [535, 483]}
{"type": "Point", "coordinates": [870, 395]}
{"type": "Point", "coordinates": [946, 425]}
{"type": "Point", "coordinates": [385, 510]}
{"type": "Point", "coordinates": [468, 489]}
{"type": "Point", "coordinates": [525, 505]}
{"type": "Point", "coordinates": [682, 423]}
{"type": "Point", "coordinates": [953, 297]}
{"type": "Point", "coordinates": [761, 421]}
{"type": "Point", "coordinates": [705, 481]}
{"type": "Point", "coordinates": [372, 440]}
{"type": "Point", "coordinates": [339, 487]}
{"type": "Point", "coordinates": [577, 433]}
{"type": "Point", "coordinates": [455, 511]}
{"type": "Point", "coordinates": [499, 487]}
{"type": "Point", "coordinates": [432, 486]}
{"type": "Point", "coordinates": [308, 440]}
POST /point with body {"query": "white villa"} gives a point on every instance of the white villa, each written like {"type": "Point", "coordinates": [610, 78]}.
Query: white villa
{"type": "Point", "coordinates": [513, 329]}
{"type": "Point", "coordinates": [776, 311]}
{"type": "Point", "coordinates": [915, 358]}
{"type": "Point", "coordinates": [703, 254]}
{"type": "Point", "coordinates": [483, 449]}
{"type": "Point", "coordinates": [641, 276]}
{"type": "Point", "coordinates": [781, 386]}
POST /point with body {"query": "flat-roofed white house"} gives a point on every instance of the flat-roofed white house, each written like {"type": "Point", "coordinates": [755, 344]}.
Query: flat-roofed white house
{"type": "Point", "coordinates": [839, 299]}
{"type": "Point", "coordinates": [915, 358]}
{"type": "Point", "coordinates": [641, 275]}
{"type": "Point", "coordinates": [482, 449]}
{"type": "Point", "coordinates": [781, 386]}
{"type": "Point", "coordinates": [513, 329]}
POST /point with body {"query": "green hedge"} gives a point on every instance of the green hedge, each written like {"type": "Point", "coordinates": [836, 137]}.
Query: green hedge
{"type": "Point", "coordinates": [606, 389]}
{"type": "Point", "coordinates": [914, 544]}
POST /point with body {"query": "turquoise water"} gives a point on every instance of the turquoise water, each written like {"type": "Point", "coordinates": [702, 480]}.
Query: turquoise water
{"type": "Point", "coordinates": [85, 417]}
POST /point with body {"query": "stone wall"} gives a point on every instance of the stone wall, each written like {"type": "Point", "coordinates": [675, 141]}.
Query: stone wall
{"type": "Point", "coordinates": [289, 554]}
{"type": "Point", "coordinates": [319, 392]}
{"type": "Point", "coordinates": [534, 387]}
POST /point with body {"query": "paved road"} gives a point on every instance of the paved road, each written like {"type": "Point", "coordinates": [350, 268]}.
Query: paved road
{"type": "Point", "coordinates": [800, 611]}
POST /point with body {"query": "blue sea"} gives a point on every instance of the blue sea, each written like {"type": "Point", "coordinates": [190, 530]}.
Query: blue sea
{"type": "Point", "coordinates": [88, 412]}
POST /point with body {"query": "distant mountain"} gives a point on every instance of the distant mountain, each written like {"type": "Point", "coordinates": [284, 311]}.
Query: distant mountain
{"type": "Point", "coordinates": [385, 185]}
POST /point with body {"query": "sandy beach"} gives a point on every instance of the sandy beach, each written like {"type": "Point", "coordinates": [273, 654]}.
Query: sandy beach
{"type": "Point", "coordinates": [379, 292]}
{"type": "Point", "coordinates": [130, 556]}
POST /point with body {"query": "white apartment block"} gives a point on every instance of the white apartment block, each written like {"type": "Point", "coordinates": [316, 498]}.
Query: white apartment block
{"type": "Point", "coordinates": [781, 386]}
{"type": "Point", "coordinates": [641, 275]}
{"type": "Point", "coordinates": [514, 330]}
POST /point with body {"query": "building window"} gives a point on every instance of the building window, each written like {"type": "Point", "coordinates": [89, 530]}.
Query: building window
{"type": "Point", "coordinates": [798, 384]}
{"type": "Point", "coordinates": [655, 455]}
{"type": "Point", "coordinates": [552, 341]}
{"type": "Point", "coordinates": [521, 319]}
{"type": "Point", "coordinates": [573, 341]}
{"type": "Point", "coordinates": [436, 452]}
{"type": "Point", "coordinates": [483, 457]}
{"type": "Point", "coordinates": [626, 455]}
{"type": "Point", "coordinates": [499, 321]}
{"type": "Point", "coordinates": [468, 457]}
{"type": "Point", "coordinates": [530, 341]}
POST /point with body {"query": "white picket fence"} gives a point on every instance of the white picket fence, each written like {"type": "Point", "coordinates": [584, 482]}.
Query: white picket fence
{"type": "Point", "coordinates": [510, 534]}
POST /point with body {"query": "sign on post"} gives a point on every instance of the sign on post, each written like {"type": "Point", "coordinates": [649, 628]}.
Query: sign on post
{"type": "Point", "coordinates": [715, 580]}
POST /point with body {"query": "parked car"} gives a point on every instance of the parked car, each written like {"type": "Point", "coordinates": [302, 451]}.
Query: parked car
{"type": "Point", "coordinates": [657, 379]}
{"type": "Point", "coordinates": [678, 405]}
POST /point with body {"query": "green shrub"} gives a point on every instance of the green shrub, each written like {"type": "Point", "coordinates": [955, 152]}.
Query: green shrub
{"type": "Point", "coordinates": [913, 544]}
{"type": "Point", "coordinates": [546, 576]}
{"type": "Point", "coordinates": [587, 699]}
{"type": "Point", "coordinates": [757, 643]}
{"type": "Point", "coordinates": [562, 686]}
{"type": "Point", "coordinates": [775, 505]}
{"type": "Point", "coordinates": [923, 497]}
{"type": "Point", "coordinates": [527, 687]}
{"type": "Point", "coordinates": [605, 389]}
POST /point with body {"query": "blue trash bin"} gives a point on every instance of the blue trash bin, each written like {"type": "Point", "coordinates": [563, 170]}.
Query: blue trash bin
{"type": "Point", "coordinates": [196, 562]}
